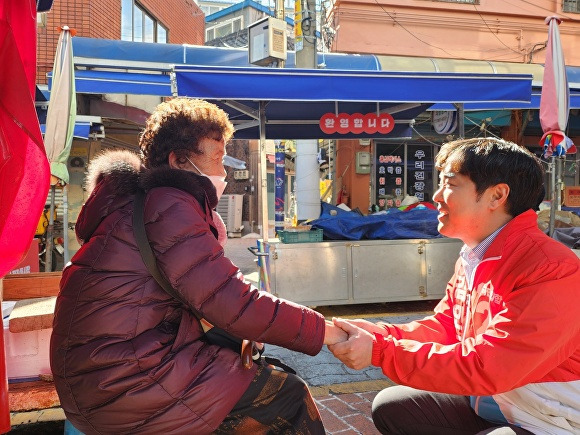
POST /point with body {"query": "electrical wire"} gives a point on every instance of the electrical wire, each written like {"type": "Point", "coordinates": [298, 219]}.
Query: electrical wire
{"type": "Point", "coordinates": [492, 32]}
{"type": "Point", "coordinates": [411, 33]}
{"type": "Point", "coordinates": [561, 14]}
{"type": "Point", "coordinates": [423, 137]}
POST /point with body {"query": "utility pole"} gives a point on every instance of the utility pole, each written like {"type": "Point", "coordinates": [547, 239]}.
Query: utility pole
{"type": "Point", "coordinates": [280, 14]}
{"type": "Point", "coordinates": [305, 33]}
{"type": "Point", "coordinates": [307, 169]}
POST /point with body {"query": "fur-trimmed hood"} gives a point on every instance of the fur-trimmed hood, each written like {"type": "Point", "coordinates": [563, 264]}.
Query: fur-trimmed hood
{"type": "Point", "coordinates": [113, 178]}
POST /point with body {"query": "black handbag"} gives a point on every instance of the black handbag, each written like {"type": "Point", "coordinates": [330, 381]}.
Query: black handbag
{"type": "Point", "coordinates": [213, 334]}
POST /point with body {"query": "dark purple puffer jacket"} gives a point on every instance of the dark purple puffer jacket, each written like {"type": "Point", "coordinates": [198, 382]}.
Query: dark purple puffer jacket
{"type": "Point", "coordinates": [126, 356]}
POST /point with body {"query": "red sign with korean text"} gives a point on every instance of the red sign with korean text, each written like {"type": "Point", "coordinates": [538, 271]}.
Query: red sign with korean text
{"type": "Point", "coordinates": [357, 123]}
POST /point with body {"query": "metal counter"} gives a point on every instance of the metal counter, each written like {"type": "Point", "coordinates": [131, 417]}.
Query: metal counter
{"type": "Point", "coordinates": [354, 272]}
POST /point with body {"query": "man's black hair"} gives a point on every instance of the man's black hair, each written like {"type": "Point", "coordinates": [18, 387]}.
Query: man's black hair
{"type": "Point", "coordinates": [490, 161]}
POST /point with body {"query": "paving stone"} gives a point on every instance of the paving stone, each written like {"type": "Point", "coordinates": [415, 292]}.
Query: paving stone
{"type": "Point", "coordinates": [362, 423]}
{"type": "Point", "coordinates": [332, 423]}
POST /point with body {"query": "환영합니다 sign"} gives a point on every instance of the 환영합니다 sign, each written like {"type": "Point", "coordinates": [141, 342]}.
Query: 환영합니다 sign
{"type": "Point", "coordinates": [357, 123]}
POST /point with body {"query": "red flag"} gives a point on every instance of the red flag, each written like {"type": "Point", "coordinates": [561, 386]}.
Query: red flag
{"type": "Point", "coordinates": [24, 169]}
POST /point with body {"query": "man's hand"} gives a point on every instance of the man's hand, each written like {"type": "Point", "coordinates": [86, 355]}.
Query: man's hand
{"type": "Point", "coordinates": [371, 327]}
{"type": "Point", "coordinates": [333, 334]}
{"type": "Point", "coordinates": [356, 352]}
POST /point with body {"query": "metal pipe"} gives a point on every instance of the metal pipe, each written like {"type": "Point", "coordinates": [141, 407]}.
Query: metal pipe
{"type": "Point", "coordinates": [263, 172]}
{"type": "Point", "coordinates": [49, 233]}
{"type": "Point", "coordinates": [553, 195]}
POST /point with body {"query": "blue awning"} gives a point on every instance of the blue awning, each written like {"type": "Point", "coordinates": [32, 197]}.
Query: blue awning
{"type": "Point", "coordinates": [113, 82]}
{"type": "Point", "coordinates": [297, 99]}
{"type": "Point", "coordinates": [534, 103]}
{"type": "Point", "coordinates": [82, 129]}
{"type": "Point", "coordinates": [160, 56]}
{"type": "Point", "coordinates": [341, 85]}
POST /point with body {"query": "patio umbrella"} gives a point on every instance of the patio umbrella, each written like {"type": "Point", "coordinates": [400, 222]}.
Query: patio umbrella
{"type": "Point", "coordinates": [58, 137]}
{"type": "Point", "coordinates": [554, 110]}
{"type": "Point", "coordinates": [24, 172]}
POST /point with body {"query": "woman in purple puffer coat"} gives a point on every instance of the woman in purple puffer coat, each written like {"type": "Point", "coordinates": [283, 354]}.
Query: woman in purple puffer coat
{"type": "Point", "coordinates": [129, 358]}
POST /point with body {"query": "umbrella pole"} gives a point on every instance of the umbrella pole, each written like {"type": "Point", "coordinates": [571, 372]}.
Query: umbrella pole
{"type": "Point", "coordinates": [49, 233]}
{"type": "Point", "coordinates": [65, 222]}
{"type": "Point", "coordinates": [552, 197]}
{"type": "Point", "coordinates": [556, 196]}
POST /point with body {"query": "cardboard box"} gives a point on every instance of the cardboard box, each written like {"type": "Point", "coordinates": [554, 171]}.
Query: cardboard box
{"type": "Point", "coordinates": [572, 196]}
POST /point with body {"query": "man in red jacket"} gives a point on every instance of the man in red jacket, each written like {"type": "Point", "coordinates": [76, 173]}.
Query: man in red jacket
{"type": "Point", "coordinates": [501, 353]}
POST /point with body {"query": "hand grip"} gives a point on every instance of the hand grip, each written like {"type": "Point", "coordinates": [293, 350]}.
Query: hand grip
{"type": "Point", "coordinates": [246, 354]}
{"type": "Point", "coordinates": [254, 250]}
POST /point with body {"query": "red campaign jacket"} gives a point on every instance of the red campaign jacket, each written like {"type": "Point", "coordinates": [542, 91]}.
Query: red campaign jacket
{"type": "Point", "coordinates": [518, 325]}
{"type": "Point", "coordinates": [126, 356]}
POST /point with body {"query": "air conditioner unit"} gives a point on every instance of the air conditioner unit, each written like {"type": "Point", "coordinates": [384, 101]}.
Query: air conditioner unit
{"type": "Point", "coordinates": [230, 209]}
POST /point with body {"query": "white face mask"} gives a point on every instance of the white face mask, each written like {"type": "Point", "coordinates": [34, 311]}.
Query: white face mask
{"type": "Point", "coordinates": [218, 181]}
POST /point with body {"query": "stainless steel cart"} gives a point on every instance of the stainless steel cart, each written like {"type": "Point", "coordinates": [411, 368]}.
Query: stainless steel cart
{"type": "Point", "coordinates": [354, 272]}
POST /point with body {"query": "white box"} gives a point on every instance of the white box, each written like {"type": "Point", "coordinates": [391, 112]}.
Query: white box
{"type": "Point", "coordinates": [27, 353]}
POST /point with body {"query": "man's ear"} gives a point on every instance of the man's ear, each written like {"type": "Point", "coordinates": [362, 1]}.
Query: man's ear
{"type": "Point", "coordinates": [499, 196]}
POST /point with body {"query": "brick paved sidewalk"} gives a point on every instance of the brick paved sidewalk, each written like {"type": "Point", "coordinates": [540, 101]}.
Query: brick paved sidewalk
{"type": "Point", "coordinates": [348, 413]}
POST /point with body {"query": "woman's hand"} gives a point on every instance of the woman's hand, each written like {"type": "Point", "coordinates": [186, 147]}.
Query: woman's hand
{"type": "Point", "coordinates": [333, 334]}
{"type": "Point", "coordinates": [356, 352]}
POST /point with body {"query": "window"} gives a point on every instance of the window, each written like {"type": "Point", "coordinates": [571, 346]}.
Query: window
{"type": "Point", "coordinates": [224, 28]}
{"type": "Point", "coordinates": [139, 26]}
{"type": "Point", "coordinates": [571, 6]}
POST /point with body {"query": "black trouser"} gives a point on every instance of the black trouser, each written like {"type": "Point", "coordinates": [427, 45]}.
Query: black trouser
{"type": "Point", "coordinates": [404, 410]}
{"type": "Point", "coordinates": [275, 403]}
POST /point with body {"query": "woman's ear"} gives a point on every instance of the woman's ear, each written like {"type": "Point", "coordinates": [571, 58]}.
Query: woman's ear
{"type": "Point", "coordinates": [174, 161]}
{"type": "Point", "coordinates": [499, 196]}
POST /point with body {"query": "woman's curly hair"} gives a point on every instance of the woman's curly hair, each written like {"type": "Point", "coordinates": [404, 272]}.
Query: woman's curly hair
{"type": "Point", "coordinates": [178, 125]}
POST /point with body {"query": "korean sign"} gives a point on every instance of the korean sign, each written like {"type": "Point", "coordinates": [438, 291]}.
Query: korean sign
{"type": "Point", "coordinates": [357, 123]}
{"type": "Point", "coordinates": [389, 176]}
{"type": "Point", "coordinates": [395, 178]}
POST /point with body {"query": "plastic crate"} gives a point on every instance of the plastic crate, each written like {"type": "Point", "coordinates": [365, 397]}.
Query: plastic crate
{"type": "Point", "coordinates": [294, 236]}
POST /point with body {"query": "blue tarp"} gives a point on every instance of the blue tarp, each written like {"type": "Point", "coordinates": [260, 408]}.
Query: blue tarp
{"type": "Point", "coordinates": [418, 223]}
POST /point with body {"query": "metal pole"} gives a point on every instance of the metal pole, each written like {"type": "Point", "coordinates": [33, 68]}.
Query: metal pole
{"type": "Point", "coordinates": [559, 182]}
{"type": "Point", "coordinates": [49, 233]}
{"type": "Point", "coordinates": [263, 172]}
{"type": "Point", "coordinates": [553, 203]}
{"type": "Point", "coordinates": [280, 156]}
{"type": "Point", "coordinates": [264, 246]}
{"type": "Point", "coordinates": [461, 120]}
{"type": "Point", "coordinates": [65, 223]}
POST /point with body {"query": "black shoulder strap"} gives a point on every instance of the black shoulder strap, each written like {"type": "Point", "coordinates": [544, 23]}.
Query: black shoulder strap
{"type": "Point", "coordinates": [146, 251]}
{"type": "Point", "coordinates": [213, 335]}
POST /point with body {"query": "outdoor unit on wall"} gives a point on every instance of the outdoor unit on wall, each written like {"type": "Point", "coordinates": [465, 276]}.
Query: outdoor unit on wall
{"type": "Point", "coordinates": [230, 209]}
{"type": "Point", "coordinates": [267, 41]}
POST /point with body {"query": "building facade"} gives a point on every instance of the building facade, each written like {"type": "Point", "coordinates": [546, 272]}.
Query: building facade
{"type": "Point", "coordinates": [176, 22]}
{"type": "Point", "coordinates": [454, 36]}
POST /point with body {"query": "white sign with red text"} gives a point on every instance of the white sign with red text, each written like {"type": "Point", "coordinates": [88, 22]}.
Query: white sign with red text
{"type": "Point", "coordinates": [357, 123]}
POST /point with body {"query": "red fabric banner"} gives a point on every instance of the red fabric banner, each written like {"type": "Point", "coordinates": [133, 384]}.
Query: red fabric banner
{"type": "Point", "coordinates": [24, 169]}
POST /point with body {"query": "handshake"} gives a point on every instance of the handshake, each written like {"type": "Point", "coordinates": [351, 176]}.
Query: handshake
{"type": "Point", "coordinates": [351, 341]}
